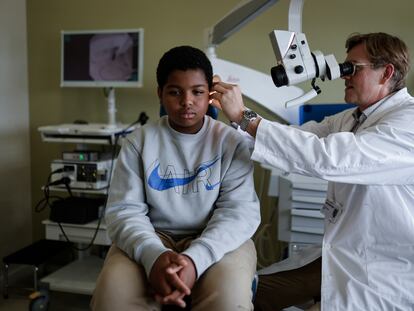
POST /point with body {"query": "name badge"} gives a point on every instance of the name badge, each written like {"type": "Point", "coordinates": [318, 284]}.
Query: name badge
{"type": "Point", "coordinates": [332, 210]}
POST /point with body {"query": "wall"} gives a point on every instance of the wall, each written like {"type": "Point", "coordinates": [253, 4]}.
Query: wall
{"type": "Point", "coordinates": [167, 24]}
{"type": "Point", "coordinates": [15, 197]}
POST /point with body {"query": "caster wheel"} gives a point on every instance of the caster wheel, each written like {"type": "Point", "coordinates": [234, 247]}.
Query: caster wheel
{"type": "Point", "coordinates": [39, 301]}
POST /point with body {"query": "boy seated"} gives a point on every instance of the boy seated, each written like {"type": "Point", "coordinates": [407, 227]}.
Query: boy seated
{"type": "Point", "coordinates": [182, 206]}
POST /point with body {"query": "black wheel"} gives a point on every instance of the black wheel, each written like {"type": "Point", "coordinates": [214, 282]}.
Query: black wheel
{"type": "Point", "coordinates": [39, 301]}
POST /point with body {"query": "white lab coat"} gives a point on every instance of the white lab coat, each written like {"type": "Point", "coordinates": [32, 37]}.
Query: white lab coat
{"type": "Point", "coordinates": [368, 254]}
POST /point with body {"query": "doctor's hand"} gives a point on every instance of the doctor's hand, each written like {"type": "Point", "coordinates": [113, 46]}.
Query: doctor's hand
{"type": "Point", "coordinates": [228, 98]}
{"type": "Point", "coordinates": [164, 278]}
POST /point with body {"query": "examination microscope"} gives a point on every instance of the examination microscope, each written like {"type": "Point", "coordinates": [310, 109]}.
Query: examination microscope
{"type": "Point", "coordinates": [297, 64]}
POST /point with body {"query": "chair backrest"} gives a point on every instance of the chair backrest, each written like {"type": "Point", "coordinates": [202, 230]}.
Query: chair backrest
{"type": "Point", "coordinates": [211, 111]}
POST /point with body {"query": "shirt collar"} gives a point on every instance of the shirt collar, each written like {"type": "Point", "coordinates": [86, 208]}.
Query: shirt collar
{"type": "Point", "coordinates": [363, 115]}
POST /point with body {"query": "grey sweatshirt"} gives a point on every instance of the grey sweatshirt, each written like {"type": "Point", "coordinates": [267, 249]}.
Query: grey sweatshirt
{"type": "Point", "coordinates": [182, 184]}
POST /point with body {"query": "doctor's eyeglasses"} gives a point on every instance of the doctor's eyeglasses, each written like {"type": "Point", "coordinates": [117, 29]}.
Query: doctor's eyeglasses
{"type": "Point", "coordinates": [356, 67]}
{"type": "Point", "coordinates": [359, 66]}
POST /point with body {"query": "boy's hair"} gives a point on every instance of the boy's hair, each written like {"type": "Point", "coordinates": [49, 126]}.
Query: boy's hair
{"type": "Point", "coordinates": [183, 58]}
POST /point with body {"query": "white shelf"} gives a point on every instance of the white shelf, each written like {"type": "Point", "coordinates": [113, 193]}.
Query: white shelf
{"type": "Point", "coordinates": [306, 205]}
{"type": "Point", "coordinates": [307, 213]}
{"type": "Point", "coordinates": [79, 140]}
{"type": "Point", "coordinates": [102, 191]}
{"type": "Point", "coordinates": [77, 233]}
{"type": "Point", "coordinates": [307, 229]}
{"type": "Point", "coordinates": [309, 199]}
{"type": "Point", "coordinates": [93, 133]}
{"type": "Point", "coordinates": [78, 277]}
{"type": "Point", "coordinates": [318, 185]}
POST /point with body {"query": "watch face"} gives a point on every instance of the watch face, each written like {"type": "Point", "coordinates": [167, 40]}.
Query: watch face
{"type": "Point", "coordinates": [250, 114]}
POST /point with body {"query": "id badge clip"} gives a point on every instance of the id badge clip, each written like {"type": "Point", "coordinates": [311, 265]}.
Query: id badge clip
{"type": "Point", "coordinates": [332, 210]}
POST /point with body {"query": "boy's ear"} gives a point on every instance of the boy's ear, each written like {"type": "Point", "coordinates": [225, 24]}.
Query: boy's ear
{"type": "Point", "coordinates": [159, 92]}
{"type": "Point", "coordinates": [162, 109]}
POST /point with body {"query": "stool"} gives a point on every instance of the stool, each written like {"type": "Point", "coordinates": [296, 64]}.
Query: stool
{"type": "Point", "coordinates": [34, 255]}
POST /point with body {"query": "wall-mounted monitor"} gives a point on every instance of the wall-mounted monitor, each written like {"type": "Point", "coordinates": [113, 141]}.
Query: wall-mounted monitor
{"type": "Point", "coordinates": [102, 58]}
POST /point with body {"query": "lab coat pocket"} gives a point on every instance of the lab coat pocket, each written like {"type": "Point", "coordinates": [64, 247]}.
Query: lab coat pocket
{"type": "Point", "coordinates": [391, 271]}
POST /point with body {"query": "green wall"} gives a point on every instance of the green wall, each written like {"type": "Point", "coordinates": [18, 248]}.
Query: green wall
{"type": "Point", "coordinates": [168, 23]}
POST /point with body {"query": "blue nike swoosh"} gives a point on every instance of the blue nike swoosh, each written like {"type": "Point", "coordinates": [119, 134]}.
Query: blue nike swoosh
{"type": "Point", "coordinates": [156, 182]}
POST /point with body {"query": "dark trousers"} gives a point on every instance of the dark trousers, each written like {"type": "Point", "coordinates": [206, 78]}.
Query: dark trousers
{"type": "Point", "coordinates": [288, 288]}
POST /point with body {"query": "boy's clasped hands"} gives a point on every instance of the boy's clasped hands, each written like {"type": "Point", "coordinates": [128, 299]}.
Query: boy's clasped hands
{"type": "Point", "coordinates": [172, 277]}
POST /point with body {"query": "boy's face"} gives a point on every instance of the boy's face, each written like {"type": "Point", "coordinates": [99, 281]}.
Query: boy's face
{"type": "Point", "coordinates": [185, 98]}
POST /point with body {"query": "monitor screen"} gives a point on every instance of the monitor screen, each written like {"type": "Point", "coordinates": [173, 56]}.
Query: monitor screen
{"type": "Point", "coordinates": [102, 58]}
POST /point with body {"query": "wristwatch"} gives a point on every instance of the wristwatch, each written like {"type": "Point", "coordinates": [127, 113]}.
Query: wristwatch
{"type": "Point", "coordinates": [248, 116]}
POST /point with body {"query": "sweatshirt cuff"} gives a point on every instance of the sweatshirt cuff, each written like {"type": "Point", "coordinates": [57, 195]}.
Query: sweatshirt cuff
{"type": "Point", "coordinates": [149, 255]}
{"type": "Point", "coordinates": [202, 257]}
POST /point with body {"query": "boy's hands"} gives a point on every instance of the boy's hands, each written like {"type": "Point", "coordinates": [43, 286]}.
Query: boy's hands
{"type": "Point", "coordinates": [172, 277]}
{"type": "Point", "coordinates": [188, 275]}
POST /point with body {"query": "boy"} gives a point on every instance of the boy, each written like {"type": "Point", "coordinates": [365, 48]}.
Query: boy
{"type": "Point", "coordinates": [182, 206]}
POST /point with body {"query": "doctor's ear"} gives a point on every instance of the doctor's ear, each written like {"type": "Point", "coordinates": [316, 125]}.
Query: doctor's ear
{"type": "Point", "coordinates": [388, 72]}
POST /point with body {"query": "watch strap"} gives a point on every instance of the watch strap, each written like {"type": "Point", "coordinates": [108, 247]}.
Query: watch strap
{"type": "Point", "coordinates": [244, 123]}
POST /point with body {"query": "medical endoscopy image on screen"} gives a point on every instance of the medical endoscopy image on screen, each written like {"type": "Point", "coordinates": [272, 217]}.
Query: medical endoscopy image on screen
{"type": "Point", "coordinates": [102, 59]}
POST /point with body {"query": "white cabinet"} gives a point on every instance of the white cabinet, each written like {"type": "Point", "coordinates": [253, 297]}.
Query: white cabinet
{"type": "Point", "coordinates": [300, 221]}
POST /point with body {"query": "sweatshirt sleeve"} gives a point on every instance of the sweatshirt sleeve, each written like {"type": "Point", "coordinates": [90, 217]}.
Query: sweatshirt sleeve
{"type": "Point", "coordinates": [126, 214]}
{"type": "Point", "coordinates": [236, 215]}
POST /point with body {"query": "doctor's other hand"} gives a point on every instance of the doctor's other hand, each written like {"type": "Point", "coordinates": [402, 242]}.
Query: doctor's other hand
{"type": "Point", "coordinates": [228, 98]}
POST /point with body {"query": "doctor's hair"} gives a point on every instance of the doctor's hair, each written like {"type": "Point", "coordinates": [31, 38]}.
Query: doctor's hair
{"type": "Point", "coordinates": [384, 49]}
{"type": "Point", "coordinates": [183, 58]}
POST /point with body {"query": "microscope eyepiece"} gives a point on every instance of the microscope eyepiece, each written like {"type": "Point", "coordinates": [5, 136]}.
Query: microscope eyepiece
{"type": "Point", "coordinates": [279, 76]}
{"type": "Point", "coordinates": [346, 69]}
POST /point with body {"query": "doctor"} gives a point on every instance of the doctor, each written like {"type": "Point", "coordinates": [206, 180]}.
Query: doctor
{"type": "Point", "coordinates": [367, 155]}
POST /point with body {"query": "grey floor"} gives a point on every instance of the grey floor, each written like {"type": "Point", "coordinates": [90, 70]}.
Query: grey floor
{"type": "Point", "coordinates": [58, 302]}
{"type": "Point", "coordinates": [21, 282]}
